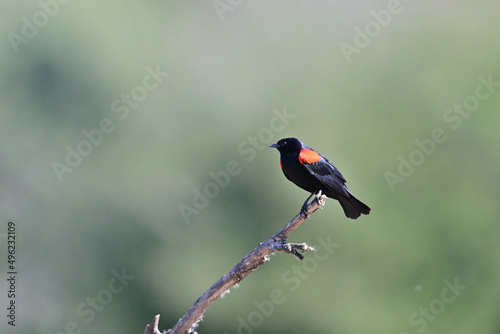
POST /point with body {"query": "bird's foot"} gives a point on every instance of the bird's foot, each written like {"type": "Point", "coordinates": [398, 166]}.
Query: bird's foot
{"type": "Point", "coordinates": [303, 210]}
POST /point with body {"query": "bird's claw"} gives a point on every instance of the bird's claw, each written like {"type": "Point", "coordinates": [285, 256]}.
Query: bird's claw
{"type": "Point", "coordinates": [303, 210]}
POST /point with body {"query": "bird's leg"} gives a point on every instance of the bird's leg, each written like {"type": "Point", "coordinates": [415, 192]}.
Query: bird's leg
{"type": "Point", "coordinates": [304, 206]}
{"type": "Point", "coordinates": [303, 210]}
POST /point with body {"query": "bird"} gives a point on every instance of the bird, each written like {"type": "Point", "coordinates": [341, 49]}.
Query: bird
{"type": "Point", "coordinates": [314, 173]}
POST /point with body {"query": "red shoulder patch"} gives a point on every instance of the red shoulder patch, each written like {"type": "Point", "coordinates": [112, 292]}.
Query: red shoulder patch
{"type": "Point", "coordinates": [307, 156]}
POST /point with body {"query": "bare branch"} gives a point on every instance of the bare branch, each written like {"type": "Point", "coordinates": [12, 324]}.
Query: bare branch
{"type": "Point", "coordinates": [257, 257]}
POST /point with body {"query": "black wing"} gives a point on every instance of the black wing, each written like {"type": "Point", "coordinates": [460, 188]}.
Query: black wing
{"type": "Point", "coordinates": [328, 175]}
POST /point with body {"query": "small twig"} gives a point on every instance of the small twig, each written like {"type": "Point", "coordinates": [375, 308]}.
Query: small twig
{"type": "Point", "coordinates": [257, 257]}
{"type": "Point", "coordinates": [152, 328]}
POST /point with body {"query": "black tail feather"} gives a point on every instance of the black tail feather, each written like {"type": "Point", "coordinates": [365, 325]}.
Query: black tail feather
{"type": "Point", "coordinates": [353, 207]}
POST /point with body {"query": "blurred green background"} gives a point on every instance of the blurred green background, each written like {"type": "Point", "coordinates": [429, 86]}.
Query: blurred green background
{"type": "Point", "coordinates": [362, 82]}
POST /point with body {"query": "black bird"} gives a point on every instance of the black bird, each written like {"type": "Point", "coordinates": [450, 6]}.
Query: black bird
{"type": "Point", "coordinates": [313, 172]}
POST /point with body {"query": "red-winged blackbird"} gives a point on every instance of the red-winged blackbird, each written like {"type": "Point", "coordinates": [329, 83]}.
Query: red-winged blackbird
{"type": "Point", "coordinates": [312, 172]}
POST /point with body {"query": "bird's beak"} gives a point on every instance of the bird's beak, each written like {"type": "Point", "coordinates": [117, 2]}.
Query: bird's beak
{"type": "Point", "coordinates": [275, 145]}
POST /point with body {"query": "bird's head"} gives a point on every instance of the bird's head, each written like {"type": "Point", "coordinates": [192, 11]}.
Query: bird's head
{"type": "Point", "coordinates": [288, 145]}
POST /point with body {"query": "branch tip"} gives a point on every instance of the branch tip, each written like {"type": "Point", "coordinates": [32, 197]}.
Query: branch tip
{"type": "Point", "coordinates": [152, 328]}
{"type": "Point", "coordinates": [295, 249]}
